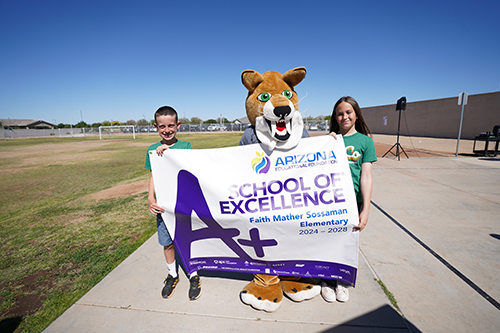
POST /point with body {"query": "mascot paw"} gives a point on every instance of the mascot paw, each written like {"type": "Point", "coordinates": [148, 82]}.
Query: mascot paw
{"type": "Point", "coordinates": [263, 293]}
{"type": "Point", "coordinates": [299, 289]}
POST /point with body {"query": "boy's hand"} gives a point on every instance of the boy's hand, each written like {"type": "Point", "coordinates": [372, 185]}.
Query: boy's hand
{"type": "Point", "coordinates": [155, 209]}
{"type": "Point", "coordinates": [160, 149]}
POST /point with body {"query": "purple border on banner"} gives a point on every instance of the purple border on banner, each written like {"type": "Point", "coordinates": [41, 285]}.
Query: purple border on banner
{"type": "Point", "coordinates": [313, 269]}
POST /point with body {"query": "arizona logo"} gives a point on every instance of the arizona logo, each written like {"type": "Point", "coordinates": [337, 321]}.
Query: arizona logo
{"type": "Point", "coordinates": [261, 163]}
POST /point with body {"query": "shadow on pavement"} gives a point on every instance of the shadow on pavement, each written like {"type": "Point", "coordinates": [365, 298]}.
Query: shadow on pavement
{"type": "Point", "coordinates": [496, 236]}
{"type": "Point", "coordinates": [489, 159]}
{"type": "Point", "coordinates": [364, 323]}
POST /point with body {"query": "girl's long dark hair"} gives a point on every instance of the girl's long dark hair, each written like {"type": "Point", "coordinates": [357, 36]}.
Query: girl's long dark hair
{"type": "Point", "coordinates": [360, 124]}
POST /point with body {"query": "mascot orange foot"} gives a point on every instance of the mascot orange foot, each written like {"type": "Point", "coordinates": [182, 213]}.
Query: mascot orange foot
{"type": "Point", "coordinates": [299, 289]}
{"type": "Point", "coordinates": [272, 109]}
{"type": "Point", "coordinates": [265, 292]}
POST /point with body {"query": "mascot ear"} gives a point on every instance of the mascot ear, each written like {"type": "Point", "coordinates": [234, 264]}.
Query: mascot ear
{"type": "Point", "coordinates": [251, 79]}
{"type": "Point", "coordinates": [294, 76]}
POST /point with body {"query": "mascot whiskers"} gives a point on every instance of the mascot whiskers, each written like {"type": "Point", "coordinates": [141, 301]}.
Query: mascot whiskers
{"type": "Point", "coordinates": [272, 109]}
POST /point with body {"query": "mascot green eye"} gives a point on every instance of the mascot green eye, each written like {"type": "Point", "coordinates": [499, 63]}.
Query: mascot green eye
{"type": "Point", "coordinates": [287, 93]}
{"type": "Point", "coordinates": [264, 97]}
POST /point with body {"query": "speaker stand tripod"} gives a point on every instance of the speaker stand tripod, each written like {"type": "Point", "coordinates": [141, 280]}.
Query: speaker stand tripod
{"type": "Point", "coordinates": [397, 145]}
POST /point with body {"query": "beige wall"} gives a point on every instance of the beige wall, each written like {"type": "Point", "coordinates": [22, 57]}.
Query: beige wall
{"type": "Point", "coordinates": [438, 118]}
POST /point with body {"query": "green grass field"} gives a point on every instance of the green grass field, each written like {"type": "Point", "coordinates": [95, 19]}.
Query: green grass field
{"type": "Point", "coordinates": [58, 242]}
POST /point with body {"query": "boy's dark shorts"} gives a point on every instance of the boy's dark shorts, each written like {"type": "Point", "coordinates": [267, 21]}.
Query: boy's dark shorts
{"type": "Point", "coordinates": [163, 235]}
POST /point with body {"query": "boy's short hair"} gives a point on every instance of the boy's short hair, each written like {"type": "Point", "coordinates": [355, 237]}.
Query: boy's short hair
{"type": "Point", "coordinates": [166, 111]}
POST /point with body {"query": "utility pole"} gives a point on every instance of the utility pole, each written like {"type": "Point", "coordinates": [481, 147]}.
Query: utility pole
{"type": "Point", "coordinates": [462, 100]}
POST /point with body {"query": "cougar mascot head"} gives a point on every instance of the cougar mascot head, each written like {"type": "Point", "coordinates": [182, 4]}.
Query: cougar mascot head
{"type": "Point", "coordinates": [272, 109]}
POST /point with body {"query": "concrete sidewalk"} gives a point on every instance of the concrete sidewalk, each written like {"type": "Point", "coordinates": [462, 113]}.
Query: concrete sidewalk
{"type": "Point", "coordinates": [129, 300]}
{"type": "Point", "coordinates": [433, 239]}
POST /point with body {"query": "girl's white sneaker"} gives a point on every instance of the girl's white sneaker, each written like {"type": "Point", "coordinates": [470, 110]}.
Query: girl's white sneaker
{"type": "Point", "coordinates": [327, 292]}
{"type": "Point", "coordinates": [341, 292]}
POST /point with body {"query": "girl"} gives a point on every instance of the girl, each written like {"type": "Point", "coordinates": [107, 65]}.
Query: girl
{"type": "Point", "coordinates": [348, 121]}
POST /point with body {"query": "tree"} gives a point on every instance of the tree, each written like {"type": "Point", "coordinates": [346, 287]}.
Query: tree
{"type": "Point", "coordinates": [142, 122]}
{"type": "Point", "coordinates": [184, 120]}
{"type": "Point", "coordinates": [81, 124]}
{"type": "Point", "coordinates": [195, 121]}
{"type": "Point", "coordinates": [131, 122]}
{"type": "Point", "coordinates": [211, 121]}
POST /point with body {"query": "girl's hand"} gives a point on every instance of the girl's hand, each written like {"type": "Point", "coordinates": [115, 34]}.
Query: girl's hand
{"type": "Point", "coordinates": [333, 134]}
{"type": "Point", "coordinates": [160, 149]}
{"type": "Point", "coordinates": [363, 220]}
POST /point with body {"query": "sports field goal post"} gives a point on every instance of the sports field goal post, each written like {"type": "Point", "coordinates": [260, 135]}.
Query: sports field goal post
{"type": "Point", "coordinates": [116, 127]}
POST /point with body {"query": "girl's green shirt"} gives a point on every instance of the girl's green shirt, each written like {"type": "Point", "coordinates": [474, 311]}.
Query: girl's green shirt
{"type": "Point", "coordinates": [360, 149]}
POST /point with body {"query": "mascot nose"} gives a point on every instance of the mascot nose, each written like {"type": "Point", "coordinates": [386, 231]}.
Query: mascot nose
{"type": "Point", "coordinates": [282, 111]}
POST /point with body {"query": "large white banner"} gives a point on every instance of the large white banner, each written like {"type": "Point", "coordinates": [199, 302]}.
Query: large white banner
{"type": "Point", "coordinates": [243, 209]}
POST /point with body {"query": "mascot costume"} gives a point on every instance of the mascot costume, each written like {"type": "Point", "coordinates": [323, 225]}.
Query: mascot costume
{"type": "Point", "coordinates": [272, 109]}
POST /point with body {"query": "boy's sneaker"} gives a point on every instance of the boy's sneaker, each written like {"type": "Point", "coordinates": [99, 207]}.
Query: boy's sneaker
{"type": "Point", "coordinates": [194, 288]}
{"type": "Point", "coordinates": [342, 292]}
{"type": "Point", "coordinates": [328, 292]}
{"type": "Point", "coordinates": [170, 284]}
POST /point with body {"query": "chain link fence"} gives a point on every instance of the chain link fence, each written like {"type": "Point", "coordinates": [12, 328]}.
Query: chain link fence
{"type": "Point", "coordinates": [10, 133]}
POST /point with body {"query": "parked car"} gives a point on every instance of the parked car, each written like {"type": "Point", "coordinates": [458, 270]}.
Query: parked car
{"type": "Point", "coordinates": [130, 129]}
{"type": "Point", "coordinates": [184, 128]}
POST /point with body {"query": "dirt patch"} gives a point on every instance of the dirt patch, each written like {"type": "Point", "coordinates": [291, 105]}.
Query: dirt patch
{"type": "Point", "coordinates": [71, 220]}
{"type": "Point", "coordinates": [134, 237]}
{"type": "Point", "coordinates": [33, 287]}
{"type": "Point", "coordinates": [118, 191]}
{"type": "Point", "coordinates": [25, 305]}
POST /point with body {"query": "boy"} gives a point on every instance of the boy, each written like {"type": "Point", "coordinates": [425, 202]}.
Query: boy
{"type": "Point", "coordinates": [167, 124]}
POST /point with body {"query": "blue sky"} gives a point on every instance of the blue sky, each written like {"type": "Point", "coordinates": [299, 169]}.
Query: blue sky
{"type": "Point", "coordinates": [61, 61]}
